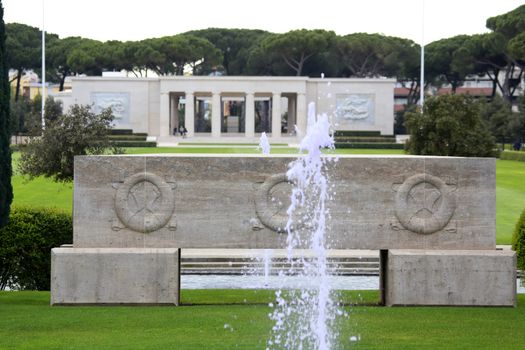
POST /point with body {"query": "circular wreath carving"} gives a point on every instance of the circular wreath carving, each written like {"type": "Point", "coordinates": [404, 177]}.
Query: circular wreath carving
{"type": "Point", "coordinates": [144, 202]}
{"type": "Point", "coordinates": [274, 219]}
{"type": "Point", "coordinates": [440, 205]}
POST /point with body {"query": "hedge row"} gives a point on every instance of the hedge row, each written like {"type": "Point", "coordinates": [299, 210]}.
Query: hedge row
{"type": "Point", "coordinates": [354, 139]}
{"type": "Point", "coordinates": [518, 241]}
{"type": "Point", "coordinates": [513, 155]}
{"type": "Point", "coordinates": [25, 246]}
{"type": "Point", "coordinates": [121, 132]}
{"type": "Point", "coordinates": [134, 143]}
{"type": "Point", "coordinates": [376, 145]}
{"type": "Point", "coordinates": [357, 133]}
{"type": "Point", "coordinates": [128, 137]}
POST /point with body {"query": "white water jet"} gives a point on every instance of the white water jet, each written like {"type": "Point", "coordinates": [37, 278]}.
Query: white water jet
{"type": "Point", "coordinates": [267, 260]}
{"type": "Point", "coordinates": [304, 319]}
{"type": "Point", "coordinates": [264, 144]}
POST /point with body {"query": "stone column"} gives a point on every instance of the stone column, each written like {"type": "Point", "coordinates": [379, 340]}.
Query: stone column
{"type": "Point", "coordinates": [189, 114]}
{"type": "Point", "coordinates": [292, 102]}
{"type": "Point", "coordinates": [216, 112]}
{"type": "Point", "coordinates": [164, 122]}
{"type": "Point", "coordinates": [301, 116]}
{"type": "Point", "coordinates": [276, 115]}
{"type": "Point", "coordinates": [174, 112]}
{"type": "Point", "coordinates": [249, 118]}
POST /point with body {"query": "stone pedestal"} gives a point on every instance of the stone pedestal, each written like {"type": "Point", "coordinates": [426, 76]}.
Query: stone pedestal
{"type": "Point", "coordinates": [115, 276]}
{"type": "Point", "coordinates": [451, 277]}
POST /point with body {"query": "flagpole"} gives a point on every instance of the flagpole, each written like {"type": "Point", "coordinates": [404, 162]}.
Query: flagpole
{"type": "Point", "coordinates": [422, 72]}
{"type": "Point", "coordinates": [43, 68]}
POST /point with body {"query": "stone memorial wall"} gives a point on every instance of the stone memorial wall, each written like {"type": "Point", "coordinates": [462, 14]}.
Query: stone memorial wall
{"type": "Point", "coordinates": [182, 201]}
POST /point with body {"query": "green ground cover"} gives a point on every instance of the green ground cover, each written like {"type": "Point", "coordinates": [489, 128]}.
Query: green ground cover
{"type": "Point", "coordinates": [221, 319]}
{"type": "Point", "coordinates": [510, 187]}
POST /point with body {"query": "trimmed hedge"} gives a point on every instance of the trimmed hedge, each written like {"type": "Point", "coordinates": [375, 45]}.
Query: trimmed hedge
{"type": "Point", "coordinates": [25, 246]}
{"type": "Point", "coordinates": [121, 132]}
{"type": "Point", "coordinates": [128, 137]}
{"type": "Point", "coordinates": [357, 133]}
{"type": "Point", "coordinates": [513, 155]}
{"type": "Point", "coordinates": [133, 143]}
{"type": "Point", "coordinates": [354, 139]}
{"type": "Point", "coordinates": [376, 145]}
{"type": "Point", "coordinates": [518, 241]}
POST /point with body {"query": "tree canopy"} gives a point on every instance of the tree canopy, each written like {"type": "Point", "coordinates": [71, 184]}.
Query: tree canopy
{"type": "Point", "coordinates": [296, 47]}
{"type": "Point", "coordinates": [6, 190]}
{"type": "Point", "coordinates": [498, 55]}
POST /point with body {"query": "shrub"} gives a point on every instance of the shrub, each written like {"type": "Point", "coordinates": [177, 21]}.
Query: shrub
{"type": "Point", "coordinates": [79, 132]}
{"type": "Point", "coordinates": [25, 246]}
{"type": "Point", "coordinates": [513, 155]}
{"type": "Point", "coordinates": [450, 125]}
{"type": "Point", "coordinates": [518, 241]}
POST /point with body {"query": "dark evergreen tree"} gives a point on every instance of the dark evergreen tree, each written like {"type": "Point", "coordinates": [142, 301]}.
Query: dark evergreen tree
{"type": "Point", "coordinates": [6, 190]}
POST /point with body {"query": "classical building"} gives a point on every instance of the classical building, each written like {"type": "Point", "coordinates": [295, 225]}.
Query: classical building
{"type": "Point", "coordinates": [236, 108]}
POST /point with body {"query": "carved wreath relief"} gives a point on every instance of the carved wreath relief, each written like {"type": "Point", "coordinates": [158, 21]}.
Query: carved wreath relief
{"type": "Point", "coordinates": [354, 107]}
{"type": "Point", "coordinates": [425, 204]}
{"type": "Point", "coordinates": [144, 202]}
{"type": "Point", "coordinates": [118, 101]}
{"type": "Point", "coordinates": [271, 202]}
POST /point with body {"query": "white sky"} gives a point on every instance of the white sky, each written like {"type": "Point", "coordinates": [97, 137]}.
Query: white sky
{"type": "Point", "coordinates": [140, 19]}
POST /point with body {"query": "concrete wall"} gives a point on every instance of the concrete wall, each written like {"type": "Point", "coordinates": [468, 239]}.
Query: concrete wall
{"type": "Point", "coordinates": [115, 276]}
{"type": "Point", "coordinates": [437, 277]}
{"type": "Point", "coordinates": [355, 104]}
{"type": "Point", "coordinates": [188, 201]}
{"type": "Point", "coordinates": [133, 97]}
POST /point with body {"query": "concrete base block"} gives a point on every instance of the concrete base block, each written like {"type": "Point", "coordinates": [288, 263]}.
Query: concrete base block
{"type": "Point", "coordinates": [115, 276]}
{"type": "Point", "coordinates": [451, 277]}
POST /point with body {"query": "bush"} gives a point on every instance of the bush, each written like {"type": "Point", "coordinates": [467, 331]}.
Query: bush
{"type": "Point", "coordinates": [25, 246]}
{"type": "Point", "coordinates": [79, 132]}
{"type": "Point", "coordinates": [450, 125]}
{"type": "Point", "coordinates": [513, 155]}
{"type": "Point", "coordinates": [518, 241]}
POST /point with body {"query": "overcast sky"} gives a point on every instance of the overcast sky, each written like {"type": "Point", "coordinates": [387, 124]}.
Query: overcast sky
{"type": "Point", "coordinates": [140, 19]}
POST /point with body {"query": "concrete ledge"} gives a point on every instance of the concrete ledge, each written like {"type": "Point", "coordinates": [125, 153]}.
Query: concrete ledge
{"type": "Point", "coordinates": [445, 277]}
{"type": "Point", "coordinates": [115, 276]}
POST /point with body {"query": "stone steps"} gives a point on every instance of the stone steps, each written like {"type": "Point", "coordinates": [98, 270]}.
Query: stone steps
{"type": "Point", "coordinates": [238, 266]}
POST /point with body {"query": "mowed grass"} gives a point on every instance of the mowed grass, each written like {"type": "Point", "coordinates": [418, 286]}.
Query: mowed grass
{"type": "Point", "coordinates": [510, 186]}
{"type": "Point", "coordinates": [232, 319]}
{"type": "Point", "coordinates": [510, 197]}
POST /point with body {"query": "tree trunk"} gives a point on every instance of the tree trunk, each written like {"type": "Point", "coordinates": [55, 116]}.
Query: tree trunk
{"type": "Point", "coordinates": [18, 78]}
{"type": "Point", "coordinates": [62, 81]}
{"type": "Point", "coordinates": [494, 87]}
{"type": "Point", "coordinates": [506, 84]}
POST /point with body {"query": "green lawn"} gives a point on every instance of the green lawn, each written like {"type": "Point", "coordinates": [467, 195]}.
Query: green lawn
{"type": "Point", "coordinates": [510, 184]}
{"type": "Point", "coordinates": [220, 319]}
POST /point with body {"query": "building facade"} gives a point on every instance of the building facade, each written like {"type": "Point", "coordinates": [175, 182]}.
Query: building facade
{"type": "Point", "coordinates": [236, 108]}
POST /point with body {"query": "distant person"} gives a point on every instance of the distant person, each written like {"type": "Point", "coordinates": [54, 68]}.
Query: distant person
{"type": "Point", "coordinates": [182, 131]}
{"type": "Point", "coordinates": [517, 145]}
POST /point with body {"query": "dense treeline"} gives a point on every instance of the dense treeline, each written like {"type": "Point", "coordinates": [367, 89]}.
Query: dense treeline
{"type": "Point", "coordinates": [298, 52]}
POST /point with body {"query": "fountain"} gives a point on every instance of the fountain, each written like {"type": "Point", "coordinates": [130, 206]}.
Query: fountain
{"type": "Point", "coordinates": [264, 144]}
{"type": "Point", "coordinates": [304, 319]}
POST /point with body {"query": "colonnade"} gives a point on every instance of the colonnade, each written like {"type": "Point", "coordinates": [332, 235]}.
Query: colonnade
{"type": "Point", "coordinates": [169, 102]}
